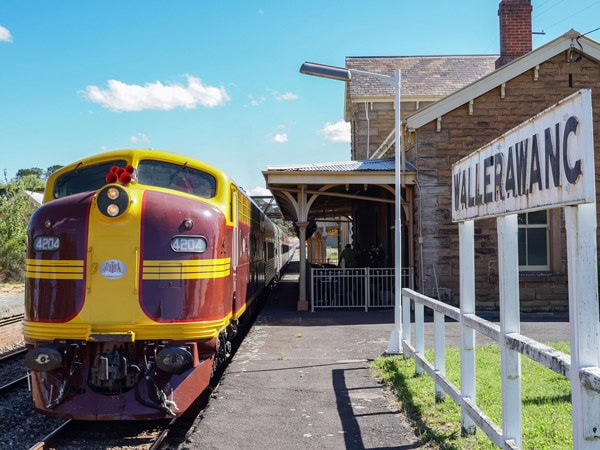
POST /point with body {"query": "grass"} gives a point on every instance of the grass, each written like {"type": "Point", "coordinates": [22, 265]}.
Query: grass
{"type": "Point", "coordinates": [546, 400]}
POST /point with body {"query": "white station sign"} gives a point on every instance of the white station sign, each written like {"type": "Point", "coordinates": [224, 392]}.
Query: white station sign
{"type": "Point", "coordinates": [545, 162]}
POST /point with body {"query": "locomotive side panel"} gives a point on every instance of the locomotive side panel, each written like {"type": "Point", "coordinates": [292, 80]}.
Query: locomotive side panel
{"type": "Point", "coordinates": [55, 261]}
{"type": "Point", "coordinates": [239, 222]}
{"type": "Point", "coordinates": [189, 281]}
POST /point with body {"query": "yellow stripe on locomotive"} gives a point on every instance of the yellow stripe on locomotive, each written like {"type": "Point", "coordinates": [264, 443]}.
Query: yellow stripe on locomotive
{"type": "Point", "coordinates": [52, 269]}
{"type": "Point", "coordinates": [182, 331]}
{"type": "Point", "coordinates": [187, 270]}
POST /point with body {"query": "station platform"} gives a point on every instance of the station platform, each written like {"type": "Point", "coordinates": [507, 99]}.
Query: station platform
{"type": "Point", "coordinates": [301, 380]}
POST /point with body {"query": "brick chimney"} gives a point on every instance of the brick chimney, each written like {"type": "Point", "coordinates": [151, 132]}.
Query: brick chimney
{"type": "Point", "coordinates": [515, 30]}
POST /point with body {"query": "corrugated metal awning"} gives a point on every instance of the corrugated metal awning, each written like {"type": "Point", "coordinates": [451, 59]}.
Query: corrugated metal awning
{"type": "Point", "coordinates": [328, 189]}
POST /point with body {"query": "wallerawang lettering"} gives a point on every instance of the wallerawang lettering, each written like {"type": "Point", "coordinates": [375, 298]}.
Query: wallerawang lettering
{"type": "Point", "coordinates": [530, 164]}
{"type": "Point", "coordinates": [544, 162]}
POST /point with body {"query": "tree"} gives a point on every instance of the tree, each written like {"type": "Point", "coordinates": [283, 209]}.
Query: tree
{"type": "Point", "coordinates": [31, 183]}
{"type": "Point", "coordinates": [50, 170]}
{"type": "Point", "coordinates": [35, 171]}
{"type": "Point", "coordinates": [15, 211]}
{"type": "Point", "coordinates": [286, 226]}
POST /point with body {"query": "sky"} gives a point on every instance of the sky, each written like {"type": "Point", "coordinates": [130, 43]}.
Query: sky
{"type": "Point", "coordinates": [218, 80]}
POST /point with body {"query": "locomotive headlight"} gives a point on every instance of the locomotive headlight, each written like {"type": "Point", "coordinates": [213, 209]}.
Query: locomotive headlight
{"type": "Point", "coordinates": [112, 201]}
{"type": "Point", "coordinates": [112, 210]}
{"type": "Point", "coordinates": [112, 193]}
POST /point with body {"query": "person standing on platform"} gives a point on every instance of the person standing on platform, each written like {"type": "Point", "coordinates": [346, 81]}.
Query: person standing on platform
{"type": "Point", "coordinates": [348, 256]}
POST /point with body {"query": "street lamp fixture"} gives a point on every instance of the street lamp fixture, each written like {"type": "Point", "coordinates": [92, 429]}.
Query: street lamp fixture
{"type": "Point", "coordinates": [325, 71]}
{"type": "Point", "coordinates": [344, 74]}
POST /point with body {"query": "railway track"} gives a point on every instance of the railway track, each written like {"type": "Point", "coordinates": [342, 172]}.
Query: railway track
{"type": "Point", "coordinates": [13, 372]}
{"type": "Point", "coordinates": [74, 434]}
{"type": "Point", "coordinates": [20, 426]}
{"type": "Point", "coordinates": [13, 384]}
{"type": "Point", "coordinates": [145, 435]}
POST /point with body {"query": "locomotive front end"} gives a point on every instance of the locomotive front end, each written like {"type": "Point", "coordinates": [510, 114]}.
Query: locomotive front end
{"type": "Point", "coordinates": [123, 269]}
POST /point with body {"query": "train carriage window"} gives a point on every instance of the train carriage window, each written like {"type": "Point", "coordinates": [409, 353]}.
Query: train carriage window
{"type": "Point", "coordinates": [177, 177]}
{"type": "Point", "coordinates": [84, 178]}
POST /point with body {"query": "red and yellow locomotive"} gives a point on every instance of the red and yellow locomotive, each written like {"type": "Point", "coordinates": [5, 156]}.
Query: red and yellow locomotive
{"type": "Point", "coordinates": [140, 266]}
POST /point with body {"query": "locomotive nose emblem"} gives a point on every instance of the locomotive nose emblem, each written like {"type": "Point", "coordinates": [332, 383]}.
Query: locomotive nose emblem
{"type": "Point", "coordinates": [113, 269]}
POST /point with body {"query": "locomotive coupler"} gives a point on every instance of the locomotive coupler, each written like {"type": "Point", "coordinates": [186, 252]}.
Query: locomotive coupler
{"type": "Point", "coordinates": [65, 386]}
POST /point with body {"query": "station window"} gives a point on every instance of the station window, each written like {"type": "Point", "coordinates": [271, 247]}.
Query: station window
{"type": "Point", "coordinates": [533, 241]}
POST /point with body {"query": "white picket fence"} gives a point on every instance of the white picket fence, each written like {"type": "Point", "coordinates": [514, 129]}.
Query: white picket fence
{"type": "Point", "coordinates": [360, 288]}
{"type": "Point", "coordinates": [469, 324]}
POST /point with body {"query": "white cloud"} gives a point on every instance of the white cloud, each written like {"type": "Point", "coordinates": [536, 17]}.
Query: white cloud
{"type": "Point", "coordinates": [120, 96]}
{"type": "Point", "coordinates": [336, 132]}
{"type": "Point", "coordinates": [260, 191]}
{"type": "Point", "coordinates": [280, 138]}
{"type": "Point", "coordinates": [5, 35]}
{"type": "Point", "coordinates": [256, 101]}
{"type": "Point", "coordinates": [139, 137]}
{"type": "Point", "coordinates": [285, 97]}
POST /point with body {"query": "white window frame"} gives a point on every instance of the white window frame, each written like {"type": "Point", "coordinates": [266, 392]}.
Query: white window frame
{"type": "Point", "coordinates": [546, 226]}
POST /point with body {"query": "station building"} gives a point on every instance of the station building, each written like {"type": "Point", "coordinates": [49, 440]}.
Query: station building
{"type": "Point", "coordinates": [450, 107]}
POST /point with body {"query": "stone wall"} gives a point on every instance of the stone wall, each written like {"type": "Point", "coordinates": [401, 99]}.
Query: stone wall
{"type": "Point", "coordinates": [436, 237]}
{"type": "Point", "coordinates": [372, 122]}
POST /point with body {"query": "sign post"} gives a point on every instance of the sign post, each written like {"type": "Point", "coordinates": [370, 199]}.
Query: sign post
{"type": "Point", "coordinates": [546, 162]}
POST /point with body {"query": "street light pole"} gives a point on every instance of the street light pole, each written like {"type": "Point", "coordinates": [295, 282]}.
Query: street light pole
{"type": "Point", "coordinates": [395, 337]}
{"type": "Point", "coordinates": [344, 74]}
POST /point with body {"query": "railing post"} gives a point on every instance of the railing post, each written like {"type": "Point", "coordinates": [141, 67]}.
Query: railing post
{"type": "Point", "coordinates": [405, 319]}
{"type": "Point", "coordinates": [439, 349]}
{"type": "Point", "coordinates": [419, 334]}
{"type": "Point", "coordinates": [312, 289]}
{"type": "Point", "coordinates": [467, 306]}
{"type": "Point", "coordinates": [510, 322]}
{"type": "Point", "coordinates": [367, 278]}
{"type": "Point", "coordinates": [580, 223]}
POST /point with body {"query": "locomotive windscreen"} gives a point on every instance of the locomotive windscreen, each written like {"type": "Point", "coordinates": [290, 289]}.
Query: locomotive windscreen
{"type": "Point", "coordinates": [176, 176]}
{"type": "Point", "coordinates": [83, 179]}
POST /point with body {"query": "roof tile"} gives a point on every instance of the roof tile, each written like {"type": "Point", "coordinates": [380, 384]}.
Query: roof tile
{"type": "Point", "coordinates": [433, 76]}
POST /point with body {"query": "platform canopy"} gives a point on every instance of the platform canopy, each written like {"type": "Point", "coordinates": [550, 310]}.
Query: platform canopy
{"type": "Point", "coordinates": [328, 190]}
{"type": "Point", "coordinates": [325, 190]}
